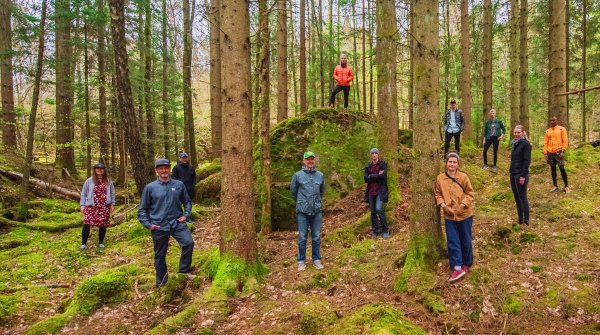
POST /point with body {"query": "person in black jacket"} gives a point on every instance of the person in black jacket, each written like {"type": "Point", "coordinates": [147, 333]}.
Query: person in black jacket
{"type": "Point", "coordinates": [185, 172]}
{"type": "Point", "coordinates": [376, 193]}
{"type": "Point", "coordinates": [520, 158]}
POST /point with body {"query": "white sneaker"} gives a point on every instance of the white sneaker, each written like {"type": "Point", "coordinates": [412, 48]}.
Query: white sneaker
{"type": "Point", "coordinates": [101, 246]}
{"type": "Point", "coordinates": [83, 246]}
{"type": "Point", "coordinates": [317, 264]}
{"type": "Point", "coordinates": [301, 266]}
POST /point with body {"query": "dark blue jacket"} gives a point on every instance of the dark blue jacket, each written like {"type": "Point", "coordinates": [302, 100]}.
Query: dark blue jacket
{"type": "Point", "coordinates": [379, 179]}
{"type": "Point", "coordinates": [520, 158]}
{"type": "Point", "coordinates": [186, 174]}
{"type": "Point", "coordinates": [162, 203]}
{"type": "Point", "coordinates": [307, 187]}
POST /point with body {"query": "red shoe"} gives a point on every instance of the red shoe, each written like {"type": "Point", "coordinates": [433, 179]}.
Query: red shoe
{"type": "Point", "coordinates": [456, 275]}
{"type": "Point", "coordinates": [465, 268]}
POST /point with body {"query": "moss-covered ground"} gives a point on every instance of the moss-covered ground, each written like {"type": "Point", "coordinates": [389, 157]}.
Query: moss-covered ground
{"type": "Point", "coordinates": [540, 279]}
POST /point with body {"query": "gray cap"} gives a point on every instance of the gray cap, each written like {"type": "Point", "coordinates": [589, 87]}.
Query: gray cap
{"type": "Point", "coordinates": [161, 162]}
{"type": "Point", "coordinates": [374, 151]}
{"type": "Point", "coordinates": [99, 166]}
{"type": "Point", "coordinates": [183, 154]}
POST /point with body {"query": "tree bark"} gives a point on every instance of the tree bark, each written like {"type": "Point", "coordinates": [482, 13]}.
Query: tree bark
{"type": "Point", "coordinates": [102, 111]}
{"type": "Point", "coordinates": [148, 103]}
{"type": "Point", "coordinates": [142, 170]}
{"type": "Point", "coordinates": [34, 102]}
{"type": "Point", "coordinates": [425, 229]}
{"type": "Point", "coordinates": [303, 106]}
{"type": "Point", "coordinates": [215, 80]}
{"type": "Point", "coordinates": [557, 104]}
{"type": "Point", "coordinates": [411, 76]}
{"type": "Point", "coordinates": [364, 56]}
{"type": "Point", "coordinates": [188, 114]}
{"type": "Point", "coordinates": [584, 14]}
{"type": "Point", "coordinates": [9, 117]}
{"type": "Point", "coordinates": [466, 99]}
{"type": "Point", "coordinates": [265, 117]}
{"type": "Point", "coordinates": [387, 94]}
{"type": "Point", "coordinates": [523, 65]}
{"type": "Point", "coordinates": [65, 155]}
{"type": "Point", "coordinates": [514, 62]}
{"type": "Point", "coordinates": [293, 60]}
{"type": "Point", "coordinates": [86, 102]}
{"type": "Point", "coordinates": [282, 71]}
{"type": "Point", "coordinates": [486, 72]}
{"type": "Point", "coordinates": [166, 66]}
{"type": "Point", "coordinates": [237, 200]}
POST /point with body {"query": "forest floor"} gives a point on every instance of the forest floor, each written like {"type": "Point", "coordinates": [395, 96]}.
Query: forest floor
{"type": "Point", "coordinates": [540, 279]}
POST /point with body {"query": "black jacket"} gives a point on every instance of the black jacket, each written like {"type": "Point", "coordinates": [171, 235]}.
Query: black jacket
{"type": "Point", "coordinates": [186, 174]}
{"type": "Point", "coordinates": [380, 179]}
{"type": "Point", "coordinates": [520, 158]}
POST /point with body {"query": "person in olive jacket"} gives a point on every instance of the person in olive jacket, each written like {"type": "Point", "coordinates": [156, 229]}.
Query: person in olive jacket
{"type": "Point", "coordinates": [376, 193]}
{"type": "Point", "coordinates": [454, 194]}
{"type": "Point", "coordinates": [520, 158]}
{"type": "Point", "coordinates": [307, 187]}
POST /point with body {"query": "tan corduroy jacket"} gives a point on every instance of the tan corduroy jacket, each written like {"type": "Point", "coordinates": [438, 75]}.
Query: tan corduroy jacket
{"type": "Point", "coordinates": [459, 204]}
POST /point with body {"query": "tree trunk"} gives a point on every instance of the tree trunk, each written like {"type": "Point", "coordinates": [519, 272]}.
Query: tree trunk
{"type": "Point", "coordinates": [514, 63]}
{"type": "Point", "coordinates": [88, 130]}
{"type": "Point", "coordinates": [557, 105]}
{"type": "Point", "coordinates": [215, 80]}
{"type": "Point", "coordinates": [364, 56]}
{"type": "Point", "coordinates": [411, 77]}
{"type": "Point", "coordinates": [465, 70]}
{"type": "Point", "coordinates": [148, 103]}
{"type": "Point", "coordinates": [165, 80]}
{"type": "Point", "coordinates": [293, 60]}
{"type": "Point", "coordinates": [9, 117]}
{"type": "Point", "coordinates": [486, 72]}
{"type": "Point", "coordinates": [34, 102]}
{"type": "Point", "coordinates": [446, 57]}
{"type": "Point", "coordinates": [387, 94]}
{"type": "Point", "coordinates": [584, 14]}
{"type": "Point", "coordinates": [282, 72]}
{"type": "Point", "coordinates": [237, 201]}
{"type": "Point", "coordinates": [65, 155]}
{"type": "Point", "coordinates": [356, 89]}
{"type": "Point", "coordinates": [265, 117]}
{"type": "Point", "coordinates": [102, 112]}
{"type": "Point", "coordinates": [188, 115]}
{"type": "Point", "coordinates": [142, 170]}
{"type": "Point", "coordinates": [371, 95]}
{"type": "Point", "coordinates": [303, 106]}
{"type": "Point", "coordinates": [426, 235]}
{"type": "Point", "coordinates": [523, 66]}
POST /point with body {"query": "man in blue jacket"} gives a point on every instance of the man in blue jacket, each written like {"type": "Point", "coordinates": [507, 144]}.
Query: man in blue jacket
{"type": "Point", "coordinates": [161, 211]}
{"type": "Point", "coordinates": [377, 193]}
{"type": "Point", "coordinates": [307, 187]}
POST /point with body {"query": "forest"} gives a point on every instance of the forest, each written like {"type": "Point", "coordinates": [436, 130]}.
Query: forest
{"type": "Point", "coordinates": [245, 89]}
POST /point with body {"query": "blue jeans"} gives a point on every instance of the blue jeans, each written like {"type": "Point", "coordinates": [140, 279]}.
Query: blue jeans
{"type": "Point", "coordinates": [458, 235]}
{"type": "Point", "coordinates": [520, 193]}
{"type": "Point", "coordinates": [182, 234]}
{"type": "Point", "coordinates": [314, 222]}
{"type": "Point", "coordinates": [378, 221]}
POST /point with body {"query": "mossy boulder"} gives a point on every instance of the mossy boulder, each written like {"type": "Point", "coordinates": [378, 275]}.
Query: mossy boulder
{"type": "Point", "coordinates": [208, 190]}
{"type": "Point", "coordinates": [207, 169]}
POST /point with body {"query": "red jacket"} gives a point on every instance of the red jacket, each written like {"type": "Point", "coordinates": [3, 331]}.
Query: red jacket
{"type": "Point", "coordinates": [343, 75]}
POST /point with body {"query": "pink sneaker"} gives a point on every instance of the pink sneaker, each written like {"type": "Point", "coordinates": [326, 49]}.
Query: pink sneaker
{"type": "Point", "coordinates": [456, 275]}
{"type": "Point", "coordinates": [465, 268]}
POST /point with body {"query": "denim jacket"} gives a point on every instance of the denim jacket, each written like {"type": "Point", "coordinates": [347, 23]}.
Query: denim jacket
{"type": "Point", "coordinates": [307, 187]}
{"type": "Point", "coordinates": [87, 193]}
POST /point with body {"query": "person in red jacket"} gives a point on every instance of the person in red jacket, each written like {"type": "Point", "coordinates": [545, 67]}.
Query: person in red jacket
{"type": "Point", "coordinates": [343, 77]}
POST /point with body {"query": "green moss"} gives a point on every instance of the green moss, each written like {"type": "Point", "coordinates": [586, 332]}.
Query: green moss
{"type": "Point", "coordinates": [358, 251]}
{"type": "Point", "coordinates": [499, 196]}
{"type": "Point", "coordinates": [420, 257]}
{"type": "Point", "coordinates": [512, 304]}
{"type": "Point", "coordinates": [536, 268]}
{"type": "Point", "coordinates": [51, 325]}
{"type": "Point", "coordinates": [8, 306]}
{"type": "Point", "coordinates": [529, 237]}
{"type": "Point", "coordinates": [348, 234]}
{"type": "Point", "coordinates": [208, 168]}
{"type": "Point", "coordinates": [592, 329]}
{"type": "Point", "coordinates": [324, 279]}
{"type": "Point", "coordinates": [208, 190]}
{"type": "Point", "coordinates": [434, 303]}
{"type": "Point", "coordinates": [375, 319]}
{"type": "Point", "coordinates": [480, 276]}
{"type": "Point", "coordinates": [316, 316]}
{"type": "Point", "coordinates": [176, 322]}
{"type": "Point", "coordinates": [137, 231]}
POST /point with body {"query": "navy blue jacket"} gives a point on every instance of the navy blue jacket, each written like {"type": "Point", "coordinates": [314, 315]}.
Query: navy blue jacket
{"type": "Point", "coordinates": [520, 158]}
{"type": "Point", "coordinates": [379, 179]}
{"type": "Point", "coordinates": [162, 203]}
{"type": "Point", "coordinates": [186, 174]}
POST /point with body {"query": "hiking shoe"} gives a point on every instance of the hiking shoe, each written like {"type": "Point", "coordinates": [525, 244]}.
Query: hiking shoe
{"type": "Point", "coordinates": [301, 266]}
{"type": "Point", "coordinates": [82, 247]}
{"type": "Point", "coordinates": [456, 275]}
{"type": "Point", "coordinates": [485, 166]}
{"type": "Point", "coordinates": [386, 236]}
{"type": "Point", "coordinates": [554, 189]}
{"type": "Point", "coordinates": [494, 168]}
{"type": "Point", "coordinates": [465, 268]}
{"type": "Point", "coordinates": [189, 275]}
{"type": "Point", "coordinates": [567, 189]}
{"type": "Point", "coordinates": [101, 246]}
{"type": "Point", "coordinates": [317, 264]}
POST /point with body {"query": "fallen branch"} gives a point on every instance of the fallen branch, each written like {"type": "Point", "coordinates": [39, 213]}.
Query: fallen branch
{"type": "Point", "coordinates": [579, 91]}
{"type": "Point", "coordinates": [18, 177]}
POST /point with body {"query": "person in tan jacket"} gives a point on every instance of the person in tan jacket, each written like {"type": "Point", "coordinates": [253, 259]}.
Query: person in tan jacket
{"type": "Point", "coordinates": [454, 194]}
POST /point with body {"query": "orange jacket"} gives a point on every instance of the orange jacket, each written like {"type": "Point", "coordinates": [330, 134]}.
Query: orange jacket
{"type": "Point", "coordinates": [555, 140]}
{"type": "Point", "coordinates": [343, 75]}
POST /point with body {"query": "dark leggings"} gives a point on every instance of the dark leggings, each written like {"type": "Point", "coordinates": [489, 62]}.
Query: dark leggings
{"type": "Point", "coordinates": [493, 140]}
{"type": "Point", "coordinates": [85, 234]}
{"type": "Point", "coordinates": [448, 138]}
{"type": "Point", "coordinates": [563, 173]}
{"type": "Point", "coordinates": [337, 90]}
{"type": "Point", "coordinates": [520, 193]}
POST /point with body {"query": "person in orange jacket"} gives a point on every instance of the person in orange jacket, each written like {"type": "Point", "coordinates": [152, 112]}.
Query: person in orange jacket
{"type": "Point", "coordinates": [343, 77]}
{"type": "Point", "coordinates": [555, 144]}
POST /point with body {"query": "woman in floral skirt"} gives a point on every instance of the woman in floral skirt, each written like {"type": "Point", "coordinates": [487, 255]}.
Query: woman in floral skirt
{"type": "Point", "coordinates": [96, 203]}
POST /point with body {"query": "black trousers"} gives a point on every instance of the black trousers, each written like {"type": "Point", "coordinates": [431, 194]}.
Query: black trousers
{"type": "Point", "coordinates": [520, 193]}
{"type": "Point", "coordinates": [448, 138]}
{"type": "Point", "coordinates": [85, 234]}
{"type": "Point", "coordinates": [493, 140]}
{"type": "Point", "coordinates": [337, 90]}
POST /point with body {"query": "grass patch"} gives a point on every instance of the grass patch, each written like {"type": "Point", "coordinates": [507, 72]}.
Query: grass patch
{"type": "Point", "coordinates": [375, 319]}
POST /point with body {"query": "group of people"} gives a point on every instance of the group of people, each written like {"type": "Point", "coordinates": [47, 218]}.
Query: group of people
{"type": "Point", "coordinates": [164, 209]}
